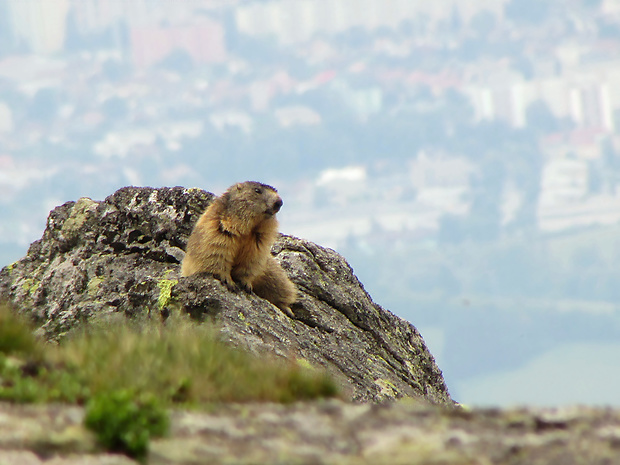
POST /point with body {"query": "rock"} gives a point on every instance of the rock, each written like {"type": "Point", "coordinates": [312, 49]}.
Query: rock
{"type": "Point", "coordinates": [404, 433]}
{"type": "Point", "coordinates": [51, 435]}
{"type": "Point", "coordinates": [122, 255]}
{"type": "Point", "coordinates": [329, 433]}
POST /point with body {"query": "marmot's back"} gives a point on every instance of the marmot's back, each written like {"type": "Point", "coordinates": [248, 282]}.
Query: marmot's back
{"type": "Point", "coordinates": [232, 241]}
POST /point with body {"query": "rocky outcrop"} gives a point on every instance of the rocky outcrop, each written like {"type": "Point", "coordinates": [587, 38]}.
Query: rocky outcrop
{"type": "Point", "coordinates": [329, 433]}
{"type": "Point", "coordinates": [122, 255]}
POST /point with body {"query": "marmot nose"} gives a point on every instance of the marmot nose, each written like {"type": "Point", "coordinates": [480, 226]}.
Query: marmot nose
{"type": "Point", "coordinates": [277, 205]}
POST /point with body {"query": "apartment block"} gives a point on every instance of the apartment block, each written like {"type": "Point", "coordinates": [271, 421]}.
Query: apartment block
{"type": "Point", "coordinates": [39, 24]}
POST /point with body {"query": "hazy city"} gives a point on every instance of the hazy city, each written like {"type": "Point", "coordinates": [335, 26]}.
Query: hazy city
{"type": "Point", "coordinates": [463, 155]}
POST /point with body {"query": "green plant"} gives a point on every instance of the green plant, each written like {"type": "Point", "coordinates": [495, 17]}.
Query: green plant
{"type": "Point", "coordinates": [179, 362]}
{"type": "Point", "coordinates": [124, 422]}
{"type": "Point", "coordinates": [16, 335]}
{"type": "Point", "coordinates": [303, 384]}
{"type": "Point", "coordinates": [185, 362]}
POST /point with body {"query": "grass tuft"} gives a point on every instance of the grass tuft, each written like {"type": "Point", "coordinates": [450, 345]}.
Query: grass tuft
{"type": "Point", "coordinates": [128, 373]}
{"type": "Point", "coordinates": [16, 334]}
{"type": "Point", "coordinates": [179, 363]}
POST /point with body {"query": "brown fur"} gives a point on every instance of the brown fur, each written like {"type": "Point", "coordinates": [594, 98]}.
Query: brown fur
{"type": "Point", "coordinates": [232, 241]}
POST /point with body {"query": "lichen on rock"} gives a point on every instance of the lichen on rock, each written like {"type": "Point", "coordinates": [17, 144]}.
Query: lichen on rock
{"type": "Point", "coordinates": [122, 255]}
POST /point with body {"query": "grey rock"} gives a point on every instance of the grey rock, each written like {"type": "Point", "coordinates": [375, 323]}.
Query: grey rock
{"type": "Point", "coordinates": [329, 433]}
{"type": "Point", "coordinates": [51, 435]}
{"type": "Point", "coordinates": [122, 255]}
{"type": "Point", "coordinates": [405, 433]}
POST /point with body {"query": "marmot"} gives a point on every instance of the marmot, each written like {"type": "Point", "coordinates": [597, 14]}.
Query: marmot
{"type": "Point", "coordinates": [232, 241]}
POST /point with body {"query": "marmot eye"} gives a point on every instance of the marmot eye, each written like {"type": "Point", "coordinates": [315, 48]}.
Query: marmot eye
{"type": "Point", "coordinates": [258, 191]}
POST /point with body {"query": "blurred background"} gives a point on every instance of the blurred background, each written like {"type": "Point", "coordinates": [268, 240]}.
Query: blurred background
{"type": "Point", "coordinates": [463, 155]}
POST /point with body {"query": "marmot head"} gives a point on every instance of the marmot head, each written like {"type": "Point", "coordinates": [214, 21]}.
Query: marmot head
{"type": "Point", "coordinates": [252, 200]}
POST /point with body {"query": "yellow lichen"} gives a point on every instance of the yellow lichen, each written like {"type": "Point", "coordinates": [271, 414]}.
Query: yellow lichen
{"type": "Point", "coordinates": [79, 214]}
{"type": "Point", "coordinates": [302, 362]}
{"type": "Point", "coordinates": [165, 291]}
{"type": "Point", "coordinates": [93, 286]}
{"type": "Point", "coordinates": [387, 388]}
{"type": "Point", "coordinates": [30, 286]}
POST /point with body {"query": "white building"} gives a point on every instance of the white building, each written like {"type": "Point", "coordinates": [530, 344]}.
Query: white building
{"type": "Point", "coordinates": [441, 181]}
{"type": "Point", "coordinates": [588, 99]}
{"type": "Point", "coordinates": [611, 7]}
{"type": "Point", "coordinates": [41, 24]}
{"type": "Point", "coordinates": [563, 181]}
{"type": "Point", "coordinates": [297, 21]}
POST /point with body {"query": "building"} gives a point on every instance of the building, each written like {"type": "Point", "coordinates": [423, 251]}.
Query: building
{"type": "Point", "coordinates": [95, 16]}
{"type": "Point", "coordinates": [39, 24]}
{"type": "Point", "coordinates": [442, 181]}
{"type": "Point", "coordinates": [291, 22]}
{"type": "Point", "coordinates": [507, 103]}
{"type": "Point", "coordinates": [6, 28]}
{"type": "Point", "coordinates": [564, 180]}
{"type": "Point", "coordinates": [584, 144]}
{"type": "Point", "coordinates": [611, 7]}
{"type": "Point", "coordinates": [203, 41]}
{"type": "Point", "coordinates": [589, 100]}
